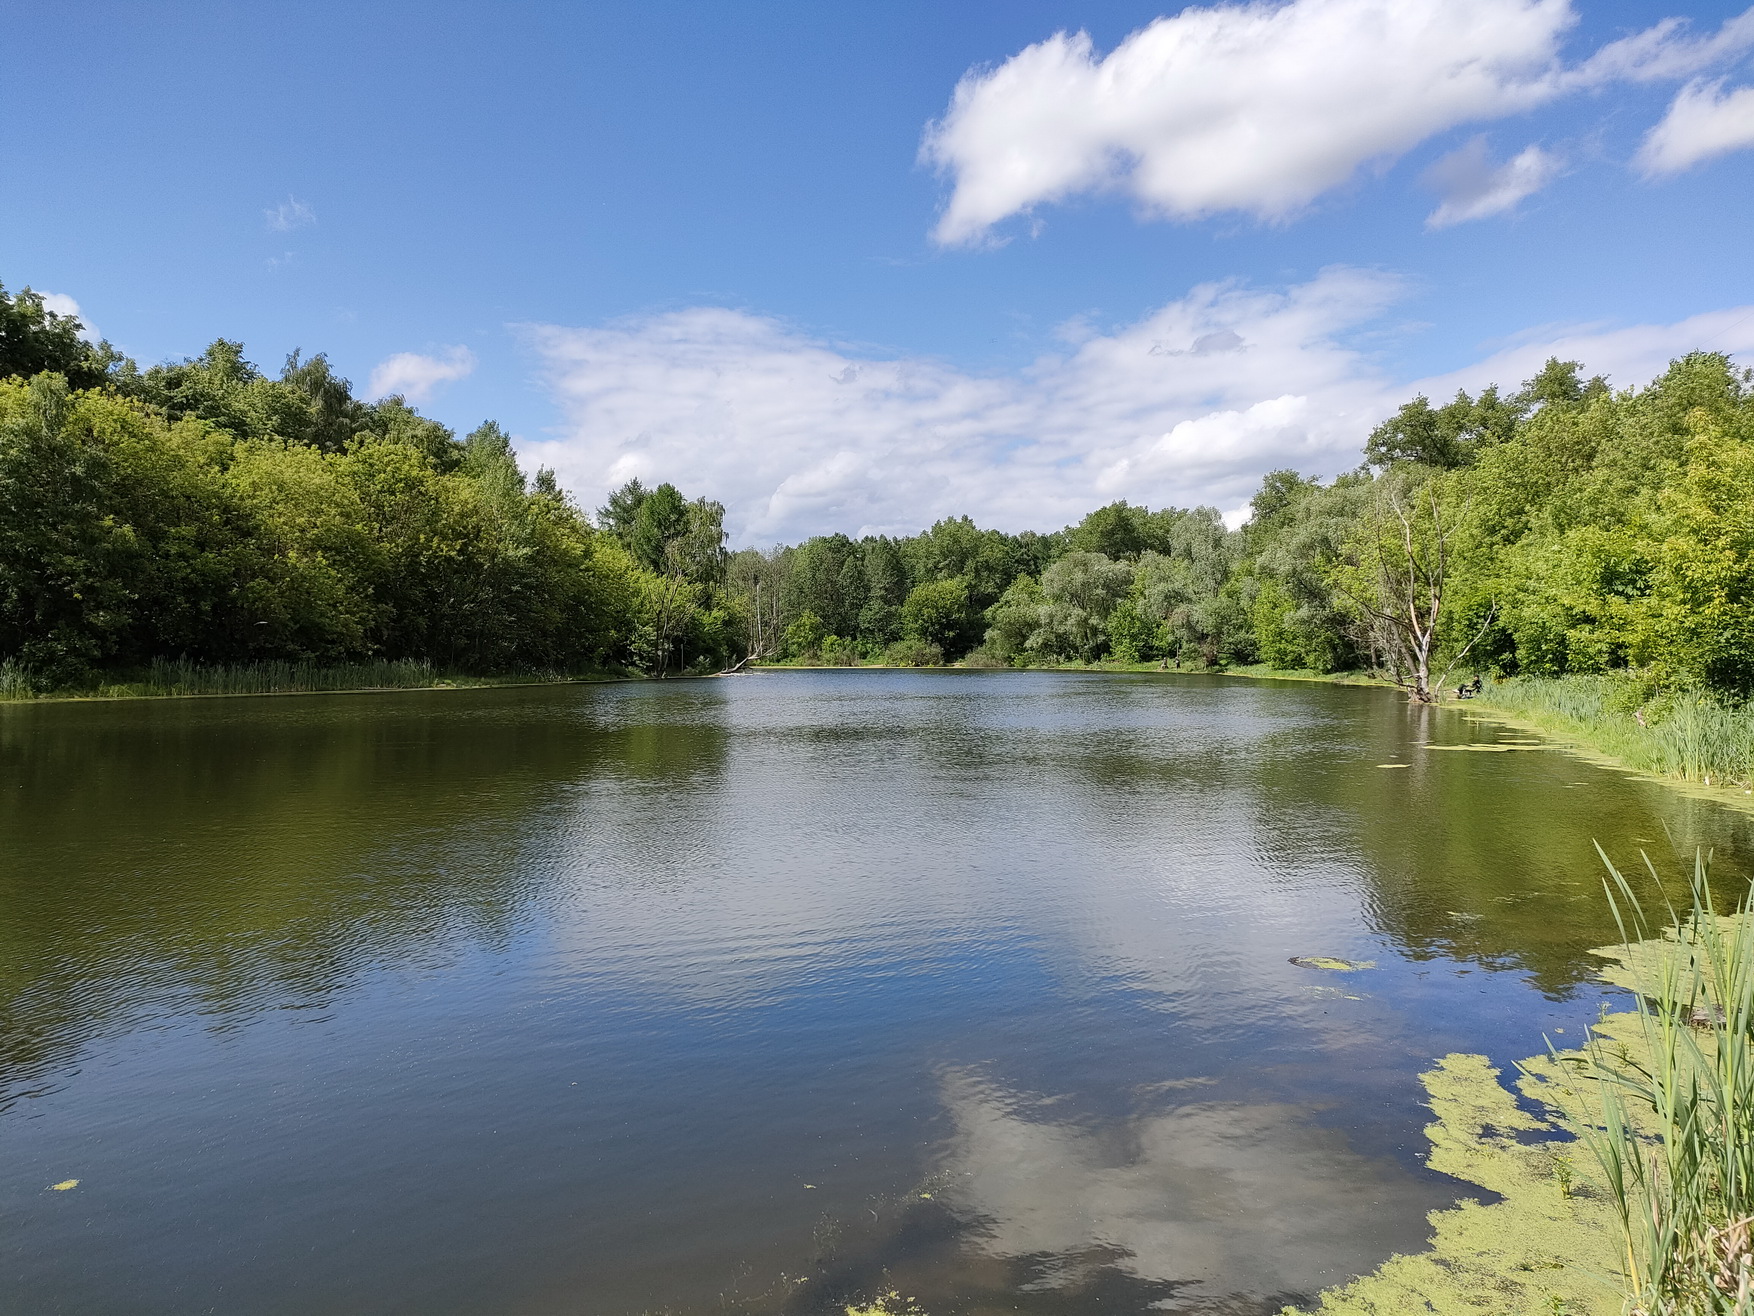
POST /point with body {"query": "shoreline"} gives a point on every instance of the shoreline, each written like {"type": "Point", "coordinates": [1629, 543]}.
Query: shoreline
{"type": "Point", "coordinates": [124, 695]}
{"type": "Point", "coordinates": [1480, 708]}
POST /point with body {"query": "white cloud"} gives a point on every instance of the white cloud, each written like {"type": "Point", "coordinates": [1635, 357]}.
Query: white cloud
{"type": "Point", "coordinates": [1633, 355]}
{"type": "Point", "coordinates": [799, 436]}
{"type": "Point", "coordinates": [1665, 51]}
{"type": "Point", "coordinates": [1261, 108]}
{"type": "Point", "coordinates": [1703, 122]}
{"type": "Point", "coordinates": [61, 304]}
{"type": "Point", "coordinates": [1474, 186]}
{"type": "Point", "coordinates": [415, 376]}
{"type": "Point", "coordinates": [1188, 406]}
{"type": "Point", "coordinates": [288, 215]}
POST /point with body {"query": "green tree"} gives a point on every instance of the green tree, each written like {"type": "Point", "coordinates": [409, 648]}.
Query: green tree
{"type": "Point", "coordinates": [618, 515]}
{"type": "Point", "coordinates": [1118, 531]}
{"type": "Point", "coordinates": [662, 518]}
{"type": "Point", "coordinates": [1699, 615]}
{"type": "Point", "coordinates": [1443, 437]}
{"type": "Point", "coordinates": [34, 339]}
{"type": "Point", "coordinates": [937, 612]}
{"type": "Point", "coordinates": [1132, 635]}
{"type": "Point", "coordinates": [1078, 594]}
{"type": "Point", "coordinates": [1014, 618]}
{"type": "Point", "coordinates": [805, 635]}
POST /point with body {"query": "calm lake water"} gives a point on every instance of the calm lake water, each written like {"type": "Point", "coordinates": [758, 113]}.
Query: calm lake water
{"type": "Point", "coordinates": [757, 994]}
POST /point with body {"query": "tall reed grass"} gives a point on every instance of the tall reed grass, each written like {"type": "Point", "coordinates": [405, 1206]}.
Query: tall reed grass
{"type": "Point", "coordinates": [1671, 1113]}
{"type": "Point", "coordinates": [170, 677]}
{"type": "Point", "coordinates": [15, 682]}
{"type": "Point", "coordinates": [1684, 734]}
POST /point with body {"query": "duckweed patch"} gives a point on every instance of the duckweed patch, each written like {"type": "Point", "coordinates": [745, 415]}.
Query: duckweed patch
{"type": "Point", "coordinates": [1551, 1244]}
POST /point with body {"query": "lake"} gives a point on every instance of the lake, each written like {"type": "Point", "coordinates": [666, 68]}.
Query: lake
{"type": "Point", "coordinates": [760, 994]}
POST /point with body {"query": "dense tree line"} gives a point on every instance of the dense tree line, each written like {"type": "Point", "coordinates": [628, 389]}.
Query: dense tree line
{"type": "Point", "coordinates": [205, 509]}
{"type": "Point", "coordinates": [1562, 528]}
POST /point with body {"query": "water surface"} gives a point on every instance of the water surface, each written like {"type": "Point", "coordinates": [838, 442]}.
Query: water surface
{"type": "Point", "coordinates": [759, 994]}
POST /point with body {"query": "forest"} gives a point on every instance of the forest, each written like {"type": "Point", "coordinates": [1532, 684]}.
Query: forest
{"type": "Point", "coordinates": [207, 512]}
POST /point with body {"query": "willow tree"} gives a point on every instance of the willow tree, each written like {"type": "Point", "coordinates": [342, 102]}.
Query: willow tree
{"type": "Point", "coordinates": [1395, 569]}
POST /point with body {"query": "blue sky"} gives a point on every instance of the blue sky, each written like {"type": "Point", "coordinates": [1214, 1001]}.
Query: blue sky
{"type": "Point", "coordinates": [701, 242]}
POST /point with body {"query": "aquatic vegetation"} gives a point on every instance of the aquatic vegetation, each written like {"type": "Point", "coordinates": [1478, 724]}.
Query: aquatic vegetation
{"type": "Point", "coordinates": [1331, 964]}
{"type": "Point", "coordinates": [15, 682]}
{"type": "Point", "coordinates": [1550, 1245]}
{"type": "Point", "coordinates": [182, 677]}
{"type": "Point", "coordinates": [1672, 1120]}
{"type": "Point", "coordinates": [1634, 1190]}
{"type": "Point", "coordinates": [888, 1304]}
{"type": "Point", "coordinates": [1688, 734]}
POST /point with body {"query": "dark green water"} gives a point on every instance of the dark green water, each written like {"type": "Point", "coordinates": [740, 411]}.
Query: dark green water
{"type": "Point", "coordinates": [742, 994]}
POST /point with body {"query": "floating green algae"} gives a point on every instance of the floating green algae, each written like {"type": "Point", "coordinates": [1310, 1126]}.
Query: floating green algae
{"type": "Point", "coordinates": [1552, 1245]}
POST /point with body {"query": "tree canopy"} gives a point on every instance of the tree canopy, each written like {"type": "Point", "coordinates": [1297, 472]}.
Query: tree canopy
{"type": "Point", "coordinates": [205, 509]}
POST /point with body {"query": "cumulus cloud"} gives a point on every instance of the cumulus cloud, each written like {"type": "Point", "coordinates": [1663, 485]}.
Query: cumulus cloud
{"type": "Point", "coordinates": [1474, 186]}
{"type": "Point", "coordinates": [61, 304]}
{"type": "Point", "coordinates": [288, 215]}
{"type": "Point", "coordinates": [415, 376]}
{"type": "Point", "coordinates": [1631, 355]}
{"type": "Point", "coordinates": [798, 435]}
{"type": "Point", "coordinates": [1261, 108]}
{"type": "Point", "coordinates": [1704, 121]}
{"type": "Point", "coordinates": [1189, 405]}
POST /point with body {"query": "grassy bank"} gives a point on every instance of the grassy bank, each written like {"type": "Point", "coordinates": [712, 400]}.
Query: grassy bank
{"type": "Point", "coordinates": [1686, 737]}
{"type": "Point", "coordinates": [169, 679]}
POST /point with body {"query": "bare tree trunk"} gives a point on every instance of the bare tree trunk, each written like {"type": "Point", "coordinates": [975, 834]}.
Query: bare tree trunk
{"type": "Point", "coordinates": [1402, 592]}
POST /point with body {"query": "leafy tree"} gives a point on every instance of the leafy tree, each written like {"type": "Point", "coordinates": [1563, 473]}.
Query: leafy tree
{"type": "Point", "coordinates": [34, 339]}
{"type": "Point", "coordinates": [661, 519]}
{"type": "Point", "coordinates": [957, 549]}
{"type": "Point", "coordinates": [1078, 594]}
{"type": "Point", "coordinates": [1118, 531]}
{"type": "Point", "coordinates": [1014, 618]}
{"type": "Point", "coordinates": [618, 515]}
{"type": "Point", "coordinates": [335, 415]}
{"type": "Point", "coordinates": [937, 612]}
{"type": "Point", "coordinates": [1699, 615]}
{"type": "Point", "coordinates": [698, 553]}
{"type": "Point", "coordinates": [805, 635]}
{"type": "Point", "coordinates": [1132, 635]}
{"type": "Point", "coordinates": [1443, 437]}
{"type": "Point", "coordinates": [827, 578]}
{"type": "Point", "coordinates": [885, 575]}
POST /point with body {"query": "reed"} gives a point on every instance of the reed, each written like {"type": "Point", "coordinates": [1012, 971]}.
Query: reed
{"type": "Point", "coordinates": [1686, 735]}
{"type": "Point", "coordinates": [174, 677]}
{"type": "Point", "coordinates": [15, 682]}
{"type": "Point", "coordinates": [1670, 1110]}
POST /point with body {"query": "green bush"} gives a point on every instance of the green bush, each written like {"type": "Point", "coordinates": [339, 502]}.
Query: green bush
{"type": "Point", "coordinates": [913, 653]}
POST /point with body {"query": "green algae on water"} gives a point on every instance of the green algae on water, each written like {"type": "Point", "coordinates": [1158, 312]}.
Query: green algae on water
{"type": "Point", "coordinates": [1331, 964]}
{"type": "Point", "coordinates": [1551, 1245]}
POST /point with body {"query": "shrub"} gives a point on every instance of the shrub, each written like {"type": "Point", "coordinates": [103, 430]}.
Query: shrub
{"type": "Point", "coordinates": [913, 653]}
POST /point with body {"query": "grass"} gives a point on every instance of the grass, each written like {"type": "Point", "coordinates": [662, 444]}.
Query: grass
{"type": "Point", "coordinates": [1687, 736]}
{"type": "Point", "coordinates": [180, 677]}
{"type": "Point", "coordinates": [1672, 1121]}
